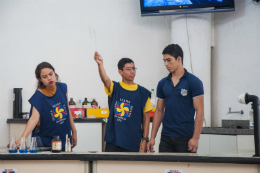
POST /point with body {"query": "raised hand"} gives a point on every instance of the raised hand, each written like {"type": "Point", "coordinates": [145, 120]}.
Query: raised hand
{"type": "Point", "coordinates": [105, 79]}
{"type": "Point", "coordinates": [98, 58]}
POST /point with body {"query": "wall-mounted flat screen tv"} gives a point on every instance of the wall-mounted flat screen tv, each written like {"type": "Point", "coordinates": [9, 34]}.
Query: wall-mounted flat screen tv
{"type": "Point", "coordinates": [173, 7]}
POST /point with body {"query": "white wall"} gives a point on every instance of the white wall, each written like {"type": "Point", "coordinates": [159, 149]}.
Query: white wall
{"type": "Point", "coordinates": [193, 34]}
{"type": "Point", "coordinates": [235, 62]}
{"type": "Point", "coordinates": [62, 33]}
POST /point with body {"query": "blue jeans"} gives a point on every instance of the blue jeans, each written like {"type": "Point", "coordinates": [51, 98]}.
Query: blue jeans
{"type": "Point", "coordinates": [113, 148]}
{"type": "Point", "coordinates": [173, 145]}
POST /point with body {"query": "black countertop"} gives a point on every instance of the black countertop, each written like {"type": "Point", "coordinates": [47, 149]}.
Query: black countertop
{"type": "Point", "coordinates": [205, 130]}
{"type": "Point", "coordinates": [163, 157]}
{"type": "Point", "coordinates": [76, 120]}
{"type": "Point", "coordinates": [226, 131]}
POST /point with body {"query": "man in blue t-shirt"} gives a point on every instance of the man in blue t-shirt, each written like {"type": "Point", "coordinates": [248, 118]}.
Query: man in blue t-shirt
{"type": "Point", "coordinates": [180, 94]}
{"type": "Point", "coordinates": [129, 106]}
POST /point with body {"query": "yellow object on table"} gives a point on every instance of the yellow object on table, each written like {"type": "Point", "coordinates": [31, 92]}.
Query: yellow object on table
{"type": "Point", "coordinates": [98, 112]}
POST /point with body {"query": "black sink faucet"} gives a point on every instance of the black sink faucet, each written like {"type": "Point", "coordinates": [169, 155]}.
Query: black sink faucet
{"type": "Point", "coordinates": [245, 99]}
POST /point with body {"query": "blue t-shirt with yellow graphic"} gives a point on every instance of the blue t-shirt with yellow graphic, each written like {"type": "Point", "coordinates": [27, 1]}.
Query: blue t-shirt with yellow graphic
{"type": "Point", "coordinates": [54, 115]}
{"type": "Point", "coordinates": [126, 115]}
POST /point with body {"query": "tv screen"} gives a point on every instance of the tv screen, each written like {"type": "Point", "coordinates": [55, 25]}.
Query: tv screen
{"type": "Point", "coordinates": [154, 6]}
{"type": "Point", "coordinates": [157, 3]}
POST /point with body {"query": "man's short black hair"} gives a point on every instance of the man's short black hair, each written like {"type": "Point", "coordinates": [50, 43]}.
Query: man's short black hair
{"type": "Point", "coordinates": [173, 50]}
{"type": "Point", "coordinates": [122, 62]}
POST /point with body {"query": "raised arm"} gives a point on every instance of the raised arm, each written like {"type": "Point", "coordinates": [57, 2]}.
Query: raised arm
{"type": "Point", "coordinates": [105, 79]}
{"type": "Point", "coordinates": [30, 125]}
{"type": "Point", "coordinates": [157, 120]}
{"type": "Point", "coordinates": [198, 103]}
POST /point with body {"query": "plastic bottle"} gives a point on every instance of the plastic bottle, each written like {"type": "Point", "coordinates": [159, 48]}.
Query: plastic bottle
{"type": "Point", "coordinates": [56, 144]}
{"type": "Point", "coordinates": [153, 98]}
{"type": "Point", "coordinates": [72, 104]}
{"type": "Point", "coordinates": [79, 103]}
{"type": "Point", "coordinates": [85, 103]}
{"type": "Point", "coordinates": [94, 104]}
{"type": "Point", "coordinates": [68, 146]}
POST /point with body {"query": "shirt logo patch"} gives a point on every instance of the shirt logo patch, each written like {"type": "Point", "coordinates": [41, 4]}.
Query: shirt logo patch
{"type": "Point", "coordinates": [59, 113]}
{"type": "Point", "coordinates": [122, 109]}
{"type": "Point", "coordinates": [184, 92]}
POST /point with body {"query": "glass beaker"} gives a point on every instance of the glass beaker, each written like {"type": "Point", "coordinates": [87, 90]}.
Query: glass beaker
{"type": "Point", "coordinates": [13, 147]}
{"type": "Point", "coordinates": [33, 147]}
{"type": "Point", "coordinates": [23, 146]}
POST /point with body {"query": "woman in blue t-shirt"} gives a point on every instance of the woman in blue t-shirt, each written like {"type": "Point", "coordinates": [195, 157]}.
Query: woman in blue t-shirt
{"type": "Point", "coordinates": [49, 115]}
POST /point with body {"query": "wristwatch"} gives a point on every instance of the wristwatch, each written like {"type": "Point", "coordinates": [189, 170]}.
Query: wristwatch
{"type": "Point", "coordinates": [146, 138]}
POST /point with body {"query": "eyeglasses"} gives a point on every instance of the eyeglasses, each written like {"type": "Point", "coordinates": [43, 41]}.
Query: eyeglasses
{"type": "Point", "coordinates": [129, 68]}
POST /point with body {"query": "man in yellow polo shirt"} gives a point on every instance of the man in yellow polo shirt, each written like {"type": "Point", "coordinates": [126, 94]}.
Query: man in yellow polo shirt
{"type": "Point", "coordinates": [129, 105]}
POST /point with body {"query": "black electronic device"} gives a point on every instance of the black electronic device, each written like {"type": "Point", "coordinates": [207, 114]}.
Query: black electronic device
{"type": "Point", "coordinates": [174, 7]}
{"type": "Point", "coordinates": [17, 103]}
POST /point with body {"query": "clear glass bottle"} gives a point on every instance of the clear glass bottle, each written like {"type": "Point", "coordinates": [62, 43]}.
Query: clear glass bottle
{"type": "Point", "coordinates": [68, 146]}
{"type": "Point", "coordinates": [13, 147]}
{"type": "Point", "coordinates": [153, 98]}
